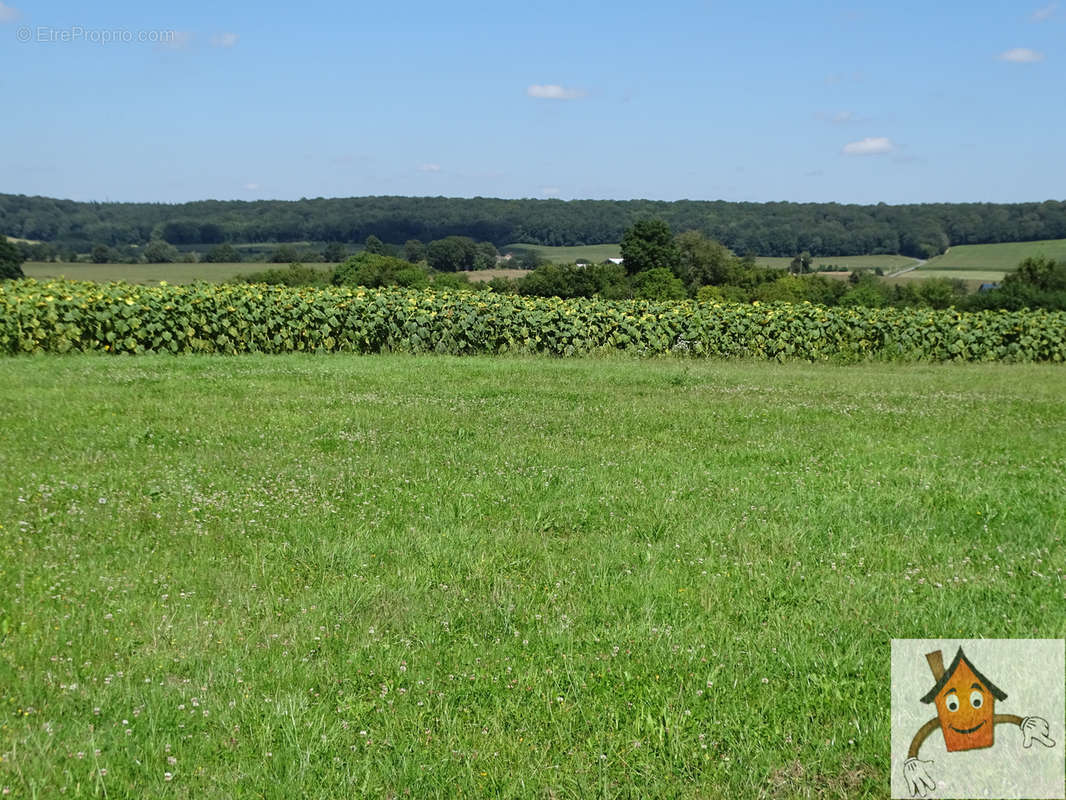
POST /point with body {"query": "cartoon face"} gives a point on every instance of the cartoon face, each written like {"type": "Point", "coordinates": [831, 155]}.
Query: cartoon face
{"type": "Point", "coordinates": [965, 707]}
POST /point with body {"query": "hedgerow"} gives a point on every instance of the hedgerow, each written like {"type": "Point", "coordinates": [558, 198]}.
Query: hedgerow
{"type": "Point", "coordinates": [62, 316]}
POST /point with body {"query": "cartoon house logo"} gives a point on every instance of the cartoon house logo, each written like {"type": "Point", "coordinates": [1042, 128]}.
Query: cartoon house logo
{"type": "Point", "coordinates": [965, 701]}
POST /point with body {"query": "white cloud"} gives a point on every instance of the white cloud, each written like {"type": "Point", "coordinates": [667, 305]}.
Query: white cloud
{"type": "Point", "coordinates": [224, 39]}
{"type": "Point", "coordinates": [870, 146]}
{"type": "Point", "coordinates": [841, 117]}
{"type": "Point", "coordinates": [9, 13]}
{"type": "Point", "coordinates": [1045, 13]}
{"type": "Point", "coordinates": [429, 168]}
{"type": "Point", "coordinates": [177, 40]}
{"type": "Point", "coordinates": [549, 191]}
{"type": "Point", "coordinates": [1021, 55]}
{"type": "Point", "coordinates": [553, 92]}
{"type": "Point", "coordinates": [252, 187]}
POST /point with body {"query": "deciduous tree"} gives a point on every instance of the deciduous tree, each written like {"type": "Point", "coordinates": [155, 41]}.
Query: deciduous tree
{"type": "Point", "coordinates": [648, 245]}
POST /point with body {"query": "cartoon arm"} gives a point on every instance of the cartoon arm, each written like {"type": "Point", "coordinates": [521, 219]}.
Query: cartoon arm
{"type": "Point", "coordinates": [1034, 729]}
{"type": "Point", "coordinates": [914, 771]}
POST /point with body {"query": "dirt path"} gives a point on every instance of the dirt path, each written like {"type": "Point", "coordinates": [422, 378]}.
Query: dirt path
{"type": "Point", "coordinates": [917, 263]}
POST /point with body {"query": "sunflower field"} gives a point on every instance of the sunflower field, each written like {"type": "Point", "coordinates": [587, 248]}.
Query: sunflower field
{"type": "Point", "coordinates": [66, 316]}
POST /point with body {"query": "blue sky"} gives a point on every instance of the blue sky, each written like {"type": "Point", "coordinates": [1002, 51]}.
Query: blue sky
{"type": "Point", "coordinates": [839, 101]}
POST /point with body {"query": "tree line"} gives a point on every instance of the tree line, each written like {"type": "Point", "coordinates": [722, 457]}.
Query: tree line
{"type": "Point", "coordinates": [657, 265]}
{"type": "Point", "coordinates": [765, 229]}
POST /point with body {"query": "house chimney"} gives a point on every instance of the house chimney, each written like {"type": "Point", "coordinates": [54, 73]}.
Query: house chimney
{"type": "Point", "coordinates": [936, 663]}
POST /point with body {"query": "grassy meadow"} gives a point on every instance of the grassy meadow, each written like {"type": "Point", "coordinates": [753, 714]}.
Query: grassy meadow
{"type": "Point", "coordinates": [997, 258]}
{"type": "Point", "coordinates": [397, 576]}
{"type": "Point", "coordinates": [889, 263]}
{"type": "Point", "coordinates": [148, 273]}
{"type": "Point", "coordinates": [596, 253]}
{"type": "Point", "coordinates": [973, 278]}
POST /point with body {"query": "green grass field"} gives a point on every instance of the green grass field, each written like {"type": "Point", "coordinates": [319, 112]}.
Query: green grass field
{"type": "Point", "coordinates": [147, 273]}
{"type": "Point", "coordinates": [976, 276]}
{"type": "Point", "coordinates": [998, 258]}
{"type": "Point", "coordinates": [596, 253]}
{"type": "Point", "coordinates": [845, 263]}
{"type": "Point", "coordinates": [432, 577]}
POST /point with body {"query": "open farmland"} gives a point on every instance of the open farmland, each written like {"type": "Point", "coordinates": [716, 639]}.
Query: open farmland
{"type": "Point", "coordinates": [486, 275]}
{"type": "Point", "coordinates": [596, 253]}
{"type": "Point", "coordinates": [972, 277]}
{"type": "Point", "coordinates": [361, 577]}
{"type": "Point", "coordinates": [146, 274]}
{"type": "Point", "coordinates": [997, 258]}
{"type": "Point", "coordinates": [889, 263]}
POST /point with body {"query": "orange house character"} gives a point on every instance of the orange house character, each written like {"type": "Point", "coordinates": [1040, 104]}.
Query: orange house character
{"type": "Point", "coordinates": [965, 714]}
{"type": "Point", "coordinates": [965, 703]}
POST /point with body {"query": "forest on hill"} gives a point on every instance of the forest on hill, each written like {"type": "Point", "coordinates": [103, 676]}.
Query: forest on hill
{"type": "Point", "coordinates": [766, 229]}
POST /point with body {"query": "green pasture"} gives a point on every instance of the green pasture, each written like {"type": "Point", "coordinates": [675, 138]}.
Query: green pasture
{"type": "Point", "coordinates": [596, 253]}
{"type": "Point", "coordinates": [995, 257]}
{"type": "Point", "coordinates": [299, 576]}
{"type": "Point", "coordinates": [148, 273]}
{"type": "Point", "coordinates": [975, 276]}
{"type": "Point", "coordinates": [888, 263]}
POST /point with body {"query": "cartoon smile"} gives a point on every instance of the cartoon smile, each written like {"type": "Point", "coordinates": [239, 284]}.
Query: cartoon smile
{"type": "Point", "coordinates": [967, 730]}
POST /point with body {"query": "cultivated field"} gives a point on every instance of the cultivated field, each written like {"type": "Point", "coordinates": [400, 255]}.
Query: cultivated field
{"type": "Point", "coordinates": [148, 273]}
{"type": "Point", "coordinates": [996, 258]}
{"type": "Point", "coordinates": [488, 274]}
{"type": "Point", "coordinates": [302, 576]}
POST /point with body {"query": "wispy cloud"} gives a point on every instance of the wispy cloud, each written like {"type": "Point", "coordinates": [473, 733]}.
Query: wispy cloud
{"type": "Point", "coordinates": [870, 146]}
{"type": "Point", "coordinates": [1021, 55]}
{"type": "Point", "coordinates": [551, 91]}
{"type": "Point", "coordinates": [224, 39]}
{"type": "Point", "coordinates": [1045, 13]}
{"type": "Point", "coordinates": [252, 187]}
{"type": "Point", "coordinates": [178, 40]}
{"type": "Point", "coordinates": [549, 191]}
{"type": "Point", "coordinates": [9, 13]}
{"type": "Point", "coordinates": [429, 168]}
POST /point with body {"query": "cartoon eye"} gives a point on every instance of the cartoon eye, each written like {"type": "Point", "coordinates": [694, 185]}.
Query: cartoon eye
{"type": "Point", "coordinates": [976, 699]}
{"type": "Point", "coordinates": [952, 703]}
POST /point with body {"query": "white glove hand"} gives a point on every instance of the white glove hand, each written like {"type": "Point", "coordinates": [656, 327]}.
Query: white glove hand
{"type": "Point", "coordinates": [1035, 729]}
{"type": "Point", "coordinates": [918, 780]}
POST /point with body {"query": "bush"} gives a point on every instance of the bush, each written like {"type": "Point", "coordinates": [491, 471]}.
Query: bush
{"type": "Point", "coordinates": [723, 294]}
{"type": "Point", "coordinates": [658, 284]}
{"type": "Point", "coordinates": [296, 274]}
{"type": "Point", "coordinates": [10, 260]}
{"type": "Point", "coordinates": [562, 280]}
{"type": "Point", "coordinates": [373, 271]}
{"type": "Point", "coordinates": [159, 252]}
{"type": "Point", "coordinates": [451, 280]}
{"type": "Point", "coordinates": [285, 254]}
{"type": "Point", "coordinates": [223, 254]}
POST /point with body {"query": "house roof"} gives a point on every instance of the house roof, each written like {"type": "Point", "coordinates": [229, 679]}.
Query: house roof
{"type": "Point", "coordinates": [960, 657]}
